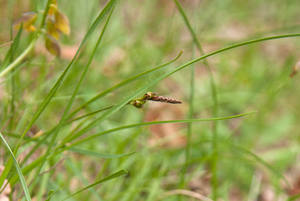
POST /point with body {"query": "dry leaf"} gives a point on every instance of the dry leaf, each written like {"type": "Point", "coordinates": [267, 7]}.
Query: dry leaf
{"type": "Point", "coordinates": [52, 45]}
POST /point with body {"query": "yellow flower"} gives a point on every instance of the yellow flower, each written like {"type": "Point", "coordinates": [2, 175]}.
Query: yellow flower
{"type": "Point", "coordinates": [28, 19]}
{"type": "Point", "coordinates": [52, 30]}
{"type": "Point", "coordinates": [52, 45]}
{"type": "Point", "coordinates": [62, 23]}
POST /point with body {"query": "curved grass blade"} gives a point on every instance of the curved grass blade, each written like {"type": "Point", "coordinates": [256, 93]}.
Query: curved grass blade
{"type": "Point", "coordinates": [260, 160]}
{"type": "Point", "coordinates": [99, 155]}
{"type": "Point", "coordinates": [50, 193]}
{"type": "Point", "coordinates": [111, 111]}
{"type": "Point", "coordinates": [121, 84]}
{"type": "Point", "coordinates": [25, 188]}
{"type": "Point", "coordinates": [49, 96]}
{"type": "Point", "coordinates": [20, 58]}
{"type": "Point", "coordinates": [89, 114]}
{"type": "Point", "coordinates": [152, 123]}
{"type": "Point", "coordinates": [112, 176]}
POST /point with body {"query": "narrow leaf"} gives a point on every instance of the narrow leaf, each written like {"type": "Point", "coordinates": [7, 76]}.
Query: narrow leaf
{"type": "Point", "coordinates": [96, 154]}
{"type": "Point", "coordinates": [121, 84]}
{"type": "Point", "coordinates": [152, 123]}
{"type": "Point", "coordinates": [112, 176]}
{"type": "Point", "coordinates": [51, 193]}
{"type": "Point", "coordinates": [260, 160]}
{"type": "Point", "coordinates": [25, 188]}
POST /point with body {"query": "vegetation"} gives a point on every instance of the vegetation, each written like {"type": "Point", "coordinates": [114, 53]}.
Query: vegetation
{"type": "Point", "coordinates": [149, 100]}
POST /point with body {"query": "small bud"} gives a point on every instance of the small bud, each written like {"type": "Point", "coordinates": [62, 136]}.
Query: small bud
{"type": "Point", "coordinates": [137, 103]}
{"type": "Point", "coordinates": [62, 23]}
{"type": "Point", "coordinates": [295, 69]}
{"type": "Point", "coordinates": [53, 8]}
{"type": "Point", "coordinates": [52, 30]}
{"type": "Point", "coordinates": [149, 95]}
{"type": "Point", "coordinates": [27, 19]}
{"type": "Point", "coordinates": [52, 45]}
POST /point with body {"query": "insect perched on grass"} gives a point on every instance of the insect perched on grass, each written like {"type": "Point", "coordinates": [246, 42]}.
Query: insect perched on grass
{"type": "Point", "coordinates": [139, 102]}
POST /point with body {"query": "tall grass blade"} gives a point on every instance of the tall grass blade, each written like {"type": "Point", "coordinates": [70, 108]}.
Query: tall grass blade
{"type": "Point", "coordinates": [24, 186]}
{"type": "Point", "coordinates": [153, 123]}
{"type": "Point", "coordinates": [215, 103]}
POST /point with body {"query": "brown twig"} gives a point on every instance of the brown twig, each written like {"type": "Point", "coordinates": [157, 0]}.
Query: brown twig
{"type": "Point", "coordinates": [6, 44]}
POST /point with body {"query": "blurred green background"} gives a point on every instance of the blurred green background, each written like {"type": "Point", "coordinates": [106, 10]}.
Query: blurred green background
{"type": "Point", "coordinates": [142, 35]}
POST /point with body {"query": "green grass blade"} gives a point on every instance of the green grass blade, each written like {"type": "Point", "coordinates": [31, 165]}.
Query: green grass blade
{"type": "Point", "coordinates": [187, 23]}
{"type": "Point", "coordinates": [189, 126]}
{"type": "Point", "coordinates": [51, 193]}
{"type": "Point", "coordinates": [12, 48]}
{"type": "Point", "coordinates": [26, 170]}
{"type": "Point", "coordinates": [99, 155]}
{"type": "Point", "coordinates": [112, 176]}
{"type": "Point", "coordinates": [77, 172]}
{"type": "Point", "coordinates": [215, 103]}
{"type": "Point", "coordinates": [295, 197]}
{"type": "Point", "coordinates": [20, 58]}
{"type": "Point", "coordinates": [153, 123]}
{"type": "Point", "coordinates": [260, 160]}
{"type": "Point", "coordinates": [37, 145]}
{"type": "Point", "coordinates": [89, 114]}
{"type": "Point", "coordinates": [25, 188]}
{"type": "Point", "coordinates": [121, 84]}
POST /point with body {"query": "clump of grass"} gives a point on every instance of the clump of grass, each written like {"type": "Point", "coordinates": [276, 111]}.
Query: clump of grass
{"type": "Point", "coordinates": [73, 148]}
